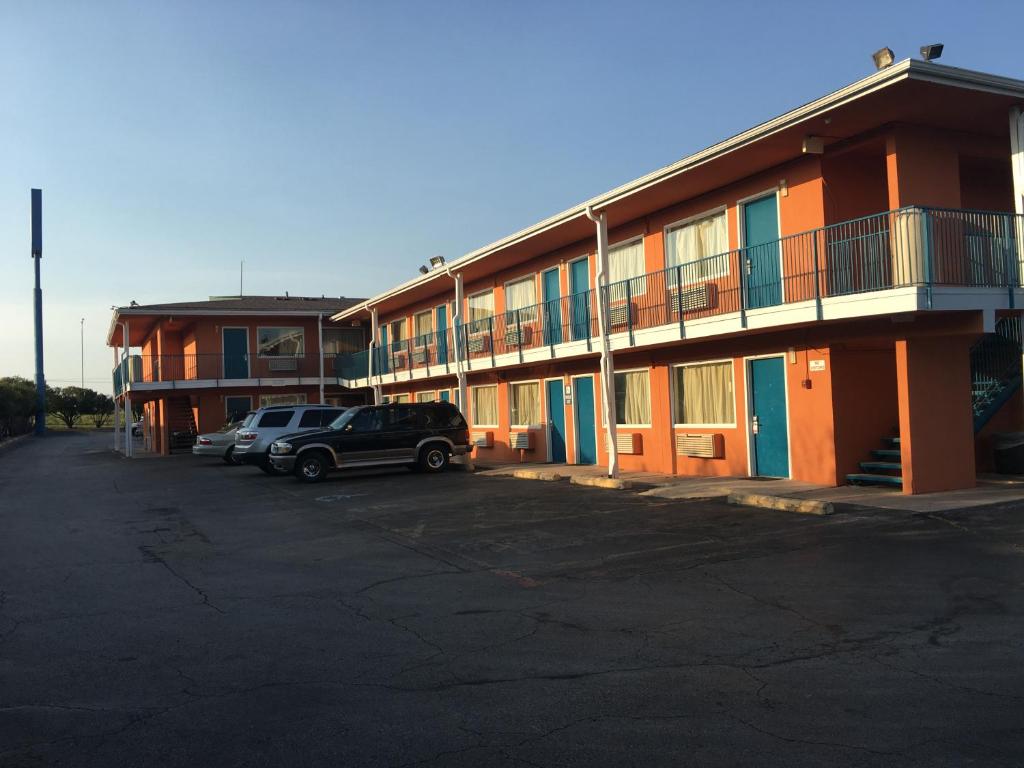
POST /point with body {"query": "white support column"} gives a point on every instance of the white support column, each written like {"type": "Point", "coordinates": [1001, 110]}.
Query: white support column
{"type": "Point", "coordinates": [374, 335]}
{"type": "Point", "coordinates": [129, 441]}
{"type": "Point", "coordinates": [320, 349]}
{"type": "Point", "coordinates": [1017, 167]}
{"type": "Point", "coordinates": [607, 363]}
{"type": "Point", "coordinates": [460, 372]}
{"type": "Point", "coordinates": [117, 403]}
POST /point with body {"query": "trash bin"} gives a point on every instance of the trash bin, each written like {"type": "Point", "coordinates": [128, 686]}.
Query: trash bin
{"type": "Point", "coordinates": [1009, 452]}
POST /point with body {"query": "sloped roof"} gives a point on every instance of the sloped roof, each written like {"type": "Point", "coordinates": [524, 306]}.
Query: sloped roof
{"type": "Point", "coordinates": [248, 303]}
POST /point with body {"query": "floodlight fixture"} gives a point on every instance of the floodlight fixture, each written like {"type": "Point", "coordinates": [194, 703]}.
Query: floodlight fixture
{"type": "Point", "coordinates": [931, 52]}
{"type": "Point", "coordinates": [883, 58]}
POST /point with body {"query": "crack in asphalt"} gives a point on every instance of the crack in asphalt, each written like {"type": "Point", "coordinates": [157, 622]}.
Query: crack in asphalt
{"type": "Point", "coordinates": [153, 557]}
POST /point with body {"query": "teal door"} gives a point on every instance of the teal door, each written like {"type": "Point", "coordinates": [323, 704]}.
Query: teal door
{"type": "Point", "coordinates": [236, 353]}
{"type": "Point", "coordinates": [235, 407]}
{"type": "Point", "coordinates": [583, 410]}
{"type": "Point", "coordinates": [441, 334]}
{"type": "Point", "coordinates": [761, 252]}
{"type": "Point", "coordinates": [556, 420]}
{"type": "Point", "coordinates": [579, 287]}
{"type": "Point", "coordinates": [385, 350]}
{"type": "Point", "coordinates": [445, 395]}
{"type": "Point", "coordinates": [768, 420]}
{"type": "Point", "coordinates": [552, 309]}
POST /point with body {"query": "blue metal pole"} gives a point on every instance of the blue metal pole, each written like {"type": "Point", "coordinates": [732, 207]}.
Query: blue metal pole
{"type": "Point", "coordinates": [37, 255]}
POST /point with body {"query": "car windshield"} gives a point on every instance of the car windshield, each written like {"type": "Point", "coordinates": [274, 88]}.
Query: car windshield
{"type": "Point", "coordinates": [344, 419]}
{"type": "Point", "coordinates": [231, 425]}
{"type": "Point", "coordinates": [248, 419]}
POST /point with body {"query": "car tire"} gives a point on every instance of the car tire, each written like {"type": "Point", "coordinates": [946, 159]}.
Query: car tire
{"type": "Point", "coordinates": [269, 468]}
{"type": "Point", "coordinates": [433, 457]}
{"type": "Point", "coordinates": [229, 456]}
{"type": "Point", "coordinates": [312, 466]}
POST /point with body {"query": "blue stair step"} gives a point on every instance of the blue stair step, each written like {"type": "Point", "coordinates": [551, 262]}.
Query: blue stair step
{"type": "Point", "coordinates": [886, 453]}
{"type": "Point", "coordinates": [872, 479]}
{"type": "Point", "coordinates": [881, 466]}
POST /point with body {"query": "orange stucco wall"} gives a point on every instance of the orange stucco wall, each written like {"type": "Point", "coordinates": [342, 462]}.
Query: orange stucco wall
{"type": "Point", "coordinates": [936, 430]}
{"type": "Point", "coordinates": [864, 401]}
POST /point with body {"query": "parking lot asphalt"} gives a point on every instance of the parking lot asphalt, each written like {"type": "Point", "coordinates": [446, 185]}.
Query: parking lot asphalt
{"type": "Point", "coordinates": [179, 612]}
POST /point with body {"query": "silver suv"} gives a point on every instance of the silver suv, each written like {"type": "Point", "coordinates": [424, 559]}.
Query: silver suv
{"type": "Point", "coordinates": [253, 439]}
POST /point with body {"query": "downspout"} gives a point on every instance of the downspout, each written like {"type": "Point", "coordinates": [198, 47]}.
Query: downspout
{"type": "Point", "coordinates": [460, 373]}
{"type": "Point", "coordinates": [117, 402]}
{"type": "Point", "coordinates": [607, 363]}
{"type": "Point", "coordinates": [128, 441]}
{"type": "Point", "coordinates": [320, 348]}
{"type": "Point", "coordinates": [374, 330]}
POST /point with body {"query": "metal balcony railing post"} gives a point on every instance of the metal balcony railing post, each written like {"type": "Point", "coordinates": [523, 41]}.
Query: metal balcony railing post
{"type": "Point", "coordinates": [549, 326]}
{"type": "Point", "coordinates": [465, 347]}
{"type": "Point", "coordinates": [629, 311]}
{"type": "Point", "coordinates": [926, 239]}
{"type": "Point", "coordinates": [817, 273]}
{"type": "Point", "coordinates": [741, 272]}
{"type": "Point", "coordinates": [519, 333]}
{"type": "Point", "coordinates": [409, 344]}
{"type": "Point", "coordinates": [490, 331]}
{"type": "Point", "coordinates": [679, 300]}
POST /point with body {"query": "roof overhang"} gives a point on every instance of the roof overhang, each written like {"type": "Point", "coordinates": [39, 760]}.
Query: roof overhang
{"type": "Point", "coordinates": [147, 317]}
{"type": "Point", "coordinates": [909, 91]}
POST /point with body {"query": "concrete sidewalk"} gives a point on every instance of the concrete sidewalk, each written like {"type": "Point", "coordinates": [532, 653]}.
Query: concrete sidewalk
{"type": "Point", "coordinates": [991, 489]}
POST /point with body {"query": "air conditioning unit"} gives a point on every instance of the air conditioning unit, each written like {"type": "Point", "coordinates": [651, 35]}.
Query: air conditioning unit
{"type": "Point", "coordinates": [283, 364]}
{"type": "Point", "coordinates": [398, 361]}
{"type": "Point", "coordinates": [620, 315]}
{"type": "Point", "coordinates": [479, 344]}
{"type": "Point", "coordinates": [521, 441]}
{"type": "Point", "coordinates": [513, 337]}
{"type": "Point", "coordinates": [629, 443]}
{"type": "Point", "coordinates": [420, 356]}
{"type": "Point", "coordinates": [706, 446]}
{"type": "Point", "coordinates": [482, 439]}
{"type": "Point", "coordinates": [694, 299]}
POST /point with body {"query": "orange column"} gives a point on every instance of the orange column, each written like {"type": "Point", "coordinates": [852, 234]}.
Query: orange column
{"type": "Point", "coordinates": [933, 381]}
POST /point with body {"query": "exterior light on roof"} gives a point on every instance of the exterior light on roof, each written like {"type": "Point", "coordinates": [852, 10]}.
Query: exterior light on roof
{"type": "Point", "coordinates": [883, 58]}
{"type": "Point", "coordinates": [438, 261]}
{"type": "Point", "coordinates": [423, 270]}
{"type": "Point", "coordinates": [931, 52]}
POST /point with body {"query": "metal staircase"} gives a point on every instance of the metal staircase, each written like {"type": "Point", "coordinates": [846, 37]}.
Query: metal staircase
{"type": "Point", "coordinates": [884, 468]}
{"type": "Point", "coordinates": [181, 422]}
{"type": "Point", "coordinates": [995, 370]}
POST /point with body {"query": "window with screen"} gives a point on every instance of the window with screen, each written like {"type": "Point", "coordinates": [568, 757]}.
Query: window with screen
{"type": "Point", "coordinates": [281, 342]}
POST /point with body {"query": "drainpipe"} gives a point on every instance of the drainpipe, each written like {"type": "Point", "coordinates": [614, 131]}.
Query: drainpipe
{"type": "Point", "coordinates": [374, 330]}
{"type": "Point", "coordinates": [320, 347]}
{"type": "Point", "coordinates": [1017, 166]}
{"type": "Point", "coordinates": [128, 441]}
{"type": "Point", "coordinates": [460, 373]}
{"type": "Point", "coordinates": [607, 363]}
{"type": "Point", "coordinates": [117, 403]}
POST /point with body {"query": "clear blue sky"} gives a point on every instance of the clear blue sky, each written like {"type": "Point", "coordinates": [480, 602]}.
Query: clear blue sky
{"type": "Point", "coordinates": [335, 147]}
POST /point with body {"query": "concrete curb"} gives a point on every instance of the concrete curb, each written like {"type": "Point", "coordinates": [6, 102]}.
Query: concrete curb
{"type": "Point", "coordinates": [536, 474]}
{"type": "Point", "coordinates": [15, 442]}
{"type": "Point", "coordinates": [602, 482]}
{"type": "Point", "coordinates": [802, 506]}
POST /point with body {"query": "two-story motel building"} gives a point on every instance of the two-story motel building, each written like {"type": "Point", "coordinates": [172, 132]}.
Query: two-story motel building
{"type": "Point", "coordinates": [195, 365]}
{"type": "Point", "coordinates": [831, 295]}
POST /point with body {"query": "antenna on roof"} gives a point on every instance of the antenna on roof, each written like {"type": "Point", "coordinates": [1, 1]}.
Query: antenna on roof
{"type": "Point", "coordinates": [241, 277]}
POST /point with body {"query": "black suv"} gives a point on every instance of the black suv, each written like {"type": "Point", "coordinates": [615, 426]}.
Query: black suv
{"type": "Point", "coordinates": [421, 435]}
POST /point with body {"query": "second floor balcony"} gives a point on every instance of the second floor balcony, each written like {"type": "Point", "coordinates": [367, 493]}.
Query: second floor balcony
{"type": "Point", "coordinates": [906, 260]}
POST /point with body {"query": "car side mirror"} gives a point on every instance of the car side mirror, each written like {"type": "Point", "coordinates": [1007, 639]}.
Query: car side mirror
{"type": "Point", "coordinates": [348, 428]}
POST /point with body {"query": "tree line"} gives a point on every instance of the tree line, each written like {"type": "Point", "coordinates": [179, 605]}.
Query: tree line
{"type": "Point", "coordinates": [69, 404]}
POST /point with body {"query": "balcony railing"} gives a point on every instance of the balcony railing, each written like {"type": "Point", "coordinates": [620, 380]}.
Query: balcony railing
{"type": "Point", "coordinates": [221, 367]}
{"type": "Point", "coordinates": [908, 247]}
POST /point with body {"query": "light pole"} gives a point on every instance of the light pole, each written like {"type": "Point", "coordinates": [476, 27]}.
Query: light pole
{"type": "Point", "coordinates": [82, 335]}
{"type": "Point", "coordinates": [37, 301]}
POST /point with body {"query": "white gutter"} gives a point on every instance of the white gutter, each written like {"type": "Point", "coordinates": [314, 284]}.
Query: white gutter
{"type": "Point", "coordinates": [320, 347]}
{"type": "Point", "coordinates": [905, 70]}
{"type": "Point", "coordinates": [607, 362]}
{"type": "Point", "coordinates": [374, 331]}
{"type": "Point", "coordinates": [460, 372]}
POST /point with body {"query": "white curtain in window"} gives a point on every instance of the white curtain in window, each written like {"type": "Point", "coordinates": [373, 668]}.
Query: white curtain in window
{"type": "Point", "coordinates": [485, 406]}
{"type": "Point", "coordinates": [520, 294]}
{"type": "Point", "coordinates": [525, 403]}
{"type": "Point", "coordinates": [423, 324]}
{"type": "Point", "coordinates": [704, 394]}
{"type": "Point", "coordinates": [626, 261]}
{"type": "Point", "coordinates": [633, 398]}
{"type": "Point", "coordinates": [398, 331]}
{"type": "Point", "coordinates": [400, 399]}
{"type": "Point", "coordinates": [692, 246]}
{"type": "Point", "coordinates": [481, 306]}
{"type": "Point", "coordinates": [424, 397]}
